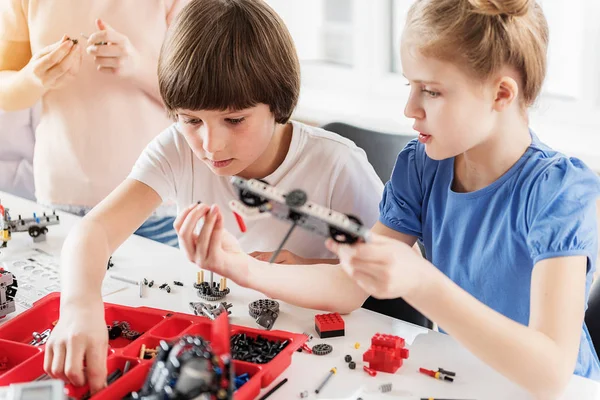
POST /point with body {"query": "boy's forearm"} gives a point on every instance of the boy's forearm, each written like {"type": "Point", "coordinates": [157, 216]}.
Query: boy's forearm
{"type": "Point", "coordinates": [18, 90]}
{"type": "Point", "coordinates": [522, 354]}
{"type": "Point", "coordinates": [84, 257]}
{"type": "Point", "coordinates": [320, 287]}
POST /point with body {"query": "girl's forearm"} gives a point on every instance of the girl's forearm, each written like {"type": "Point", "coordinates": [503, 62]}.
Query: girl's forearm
{"type": "Point", "coordinates": [524, 355]}
{"type": "Point", "coordinates": [322, 287]}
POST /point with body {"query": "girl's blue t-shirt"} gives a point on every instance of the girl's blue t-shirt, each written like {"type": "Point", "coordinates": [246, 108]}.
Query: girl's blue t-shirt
{"type": "Point", "coordinates": [488, 241]}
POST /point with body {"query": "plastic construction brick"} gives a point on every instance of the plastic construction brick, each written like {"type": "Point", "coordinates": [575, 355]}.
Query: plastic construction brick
{"type": "Point", "coordinates": [329, 325]}
{"type": "Point", "coordinates": [386, 353]}
{"type": "Point", "coordinates": [22, 362]}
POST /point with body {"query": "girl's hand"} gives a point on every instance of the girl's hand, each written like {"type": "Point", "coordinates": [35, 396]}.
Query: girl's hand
{"type": "Point", "coordinates": [385, 268]}
{"type": "Point", "coordinates": [117, 55]}
{"type": "Point", "coordinates": [212, 248]}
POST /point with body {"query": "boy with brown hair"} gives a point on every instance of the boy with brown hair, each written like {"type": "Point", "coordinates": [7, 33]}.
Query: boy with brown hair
{"type": "Point", "coordinates": [229, 75]}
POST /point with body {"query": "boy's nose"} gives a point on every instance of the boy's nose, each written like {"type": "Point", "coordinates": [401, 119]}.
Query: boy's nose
{"type": "Point", "coordinates": [213, 141]}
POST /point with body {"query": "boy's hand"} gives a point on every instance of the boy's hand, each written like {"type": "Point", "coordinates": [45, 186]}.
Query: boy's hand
{"type": "Point", "coordinates": [284, 257]}
{"type": "Point", "coordinates": [79, 336]}
{"type": "Point", "coordinates": [55, 65]}
{"type": "Point", "coordinates": [384, 267]}
{"type": "Point", "coordinates": [118, 56]}
{"type": "Point", "coordinates": [212, 248]}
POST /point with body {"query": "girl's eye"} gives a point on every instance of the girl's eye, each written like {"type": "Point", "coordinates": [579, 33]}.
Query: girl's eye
{"type": "Point", "coordinates": [431, 93]}
{"type": "Point", "coordinates": [235, 121]}
{"type": "Point", "coordinates": [192, 121]}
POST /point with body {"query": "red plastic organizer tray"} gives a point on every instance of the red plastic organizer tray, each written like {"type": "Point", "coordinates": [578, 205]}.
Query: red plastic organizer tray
{"type": "Point", "coordinates": [25, 362]}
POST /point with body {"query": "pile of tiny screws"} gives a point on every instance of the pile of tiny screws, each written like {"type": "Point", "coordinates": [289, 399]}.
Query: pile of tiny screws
{"type": "Point", "coordinates": [257, 350]}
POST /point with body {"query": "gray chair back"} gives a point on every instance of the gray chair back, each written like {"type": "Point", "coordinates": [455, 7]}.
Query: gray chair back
{"type": "Point", "coordinates": [592, 315]}
{"type": "Point", "coordinates": [382, 150]}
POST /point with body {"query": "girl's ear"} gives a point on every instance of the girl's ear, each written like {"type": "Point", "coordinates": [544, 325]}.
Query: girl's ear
{"type": "Point", "coordinates": [507, 92]}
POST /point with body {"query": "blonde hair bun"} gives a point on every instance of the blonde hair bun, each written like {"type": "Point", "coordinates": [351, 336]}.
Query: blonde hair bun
{"type": "Point", "coordinates": [514, 8]}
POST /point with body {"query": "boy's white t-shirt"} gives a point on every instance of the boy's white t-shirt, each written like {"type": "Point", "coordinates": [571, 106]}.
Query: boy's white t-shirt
{"type": "Point", "coordinates": [332, 170]}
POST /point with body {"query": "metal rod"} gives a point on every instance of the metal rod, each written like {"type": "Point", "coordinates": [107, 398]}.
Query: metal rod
{"type": "Point", "coordinates": [285, 239]}
{"type": "Point", "coordinates": [123, 279]}
{"type": "Point", "coordinates": [332, 372]}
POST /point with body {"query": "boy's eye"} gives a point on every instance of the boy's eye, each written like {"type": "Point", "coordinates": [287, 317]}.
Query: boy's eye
{"type": "Point", "coordinates": [192, 121]}
{"type": "Point", "coordinates": [235, 121]}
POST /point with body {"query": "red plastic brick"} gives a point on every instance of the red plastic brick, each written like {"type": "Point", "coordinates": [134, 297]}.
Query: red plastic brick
{"type": "Point", "coordinates": [386, 353]}
{"type": "Point", "coordinates": [329, 325]}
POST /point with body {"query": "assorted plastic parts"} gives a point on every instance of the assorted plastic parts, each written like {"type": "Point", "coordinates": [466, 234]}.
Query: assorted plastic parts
{"type": "Point", "coordinates": [440, 374]}
{"type": "Point", "coordinates": [265, 312]}
{"type": "Point", "coordinates": [8, 291]}
{"type": "Point", "coordinates": [209, 310]}
{"type": "Point", "coordinates": [386, 353]}
{"type": "Point", "coordinates": [210, 291]}
{"type": "Point", "coordinates": [188, 368]}
{"type": "Point", "coordinates": [257, 198]}
{"type": "Point", "coordinates": [329, 325]}
{"type": "Point", "coordinates": [128, 373]}
{"type": "Point", "coordinates": [37, 226]}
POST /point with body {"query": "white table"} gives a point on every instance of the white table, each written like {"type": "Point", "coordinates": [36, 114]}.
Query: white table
{"type": "Point", "coordinates": [139, 257]}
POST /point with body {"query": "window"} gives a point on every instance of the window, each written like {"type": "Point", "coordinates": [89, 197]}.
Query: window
{"type": "Point", "coordinates": [349, 53]}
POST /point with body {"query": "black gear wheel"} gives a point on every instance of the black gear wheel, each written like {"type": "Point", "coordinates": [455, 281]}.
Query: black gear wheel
{"type": "Point", "coordinates": [257, 306]}
{"type": "Point", "coordinates": [214, 296]}
{"type": "Point", "coordinates": [208, 293]}
{"type": "Point", "coordinates": [344, 237]}
{"type": "Point", "coordinates": [251, 199]}
{"type": "Point", "coordinates": [322, 349]}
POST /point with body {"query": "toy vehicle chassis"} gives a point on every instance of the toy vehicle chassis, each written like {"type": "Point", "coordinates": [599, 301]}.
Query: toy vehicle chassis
{"type": "Point", "coordinates": [294, 207]}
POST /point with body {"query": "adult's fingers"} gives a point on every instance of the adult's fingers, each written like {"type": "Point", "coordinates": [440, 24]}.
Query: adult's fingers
{"type": "Point", "coordinates": [107, 62]}
{"type": "Point", "coordinates": [109, 50]}
{"type": "Point", "coordinates": [106, 36]}
{"type": "Point", "coordinates": [54, 57]}
{"type": "Point", "coordinates": [63, 66]}
{"type": "Point", "coordinates": [51, 47]}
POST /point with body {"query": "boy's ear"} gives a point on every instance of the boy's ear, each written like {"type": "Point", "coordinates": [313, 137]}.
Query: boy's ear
{"type": "Point", "coordinates": [507, 92]}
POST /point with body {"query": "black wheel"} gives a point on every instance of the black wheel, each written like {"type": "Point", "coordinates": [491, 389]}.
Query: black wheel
{"type": "Point", "coordinates": [344, 237]}
{"type": "Point", "coordinates": [35, 231]}
{"type": "Point", "coordinates": [252, 200]}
